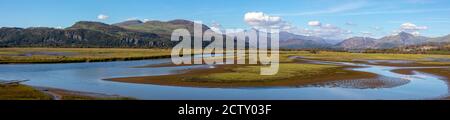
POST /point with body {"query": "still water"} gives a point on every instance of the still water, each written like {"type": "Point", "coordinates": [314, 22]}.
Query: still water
{"type": "Point", "coordinates": [88, 77]}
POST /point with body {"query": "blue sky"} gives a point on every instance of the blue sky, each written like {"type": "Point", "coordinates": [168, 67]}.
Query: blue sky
{"type": "Point", "coordinates": [337, 18]}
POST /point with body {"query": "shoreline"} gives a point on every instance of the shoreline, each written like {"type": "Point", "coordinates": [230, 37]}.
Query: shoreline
{"type": "Point", "coordinates": [182, 79]}
{"type": "Point", "coordinates": [443, 72]}
{"type": "Point", "coordinates": [62, 94]}
{"type": "Point", "coordinates": [88, 61]}
{"type": "Point", "coordinates": [77, 55]}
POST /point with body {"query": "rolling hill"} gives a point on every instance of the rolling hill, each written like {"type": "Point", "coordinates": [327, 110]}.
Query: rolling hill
{"type": "Point", "coordinates": [156, 34]}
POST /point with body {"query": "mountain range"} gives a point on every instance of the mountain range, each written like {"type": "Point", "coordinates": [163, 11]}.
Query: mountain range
{"type": "Point", "coordinates": [96, 34]}
{"type": "Point", "coordinates": [401, 39]}
{"type": "Point", "coordinates": [156, 34]}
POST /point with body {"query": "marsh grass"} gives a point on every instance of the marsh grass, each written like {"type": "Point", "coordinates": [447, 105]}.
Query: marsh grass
{"type": "Point", "coordinates": [18, 55]}
{"type": "Point", "coordinates": [350, 57]}
{"type": "Point", "coordinates": [289, 69]}
{"type": "Point", "coordinates": [21, 92]}
{"type": "Point", "coordinates": [252, 73]}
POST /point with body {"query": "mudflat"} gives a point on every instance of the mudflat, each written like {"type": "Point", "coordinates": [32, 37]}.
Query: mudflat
{"type": "Point", "coordinates": [229, 76]}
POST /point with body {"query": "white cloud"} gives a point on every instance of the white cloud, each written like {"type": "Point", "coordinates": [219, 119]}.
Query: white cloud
{"type": "Point", "coordinates": [410, 28]}
{"type": "Point", "coordinates": [102, 17]}
{"type": "Point", "coordinates": [260, 20]}
{"type": "Point", "coordinates": [314, 23]}
{"type": "Point", "coordinates": [145, 20]}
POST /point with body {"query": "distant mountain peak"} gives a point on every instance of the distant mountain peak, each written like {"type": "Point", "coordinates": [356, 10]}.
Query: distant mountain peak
{"type": "Point", "coordinates": [357, 43]}
{"type": "Point", "coordinates": [405, 35]}
{"type": "Point", "coordinates": [360, 38]}
{"type": "Point", "coordinates": [160, 27]}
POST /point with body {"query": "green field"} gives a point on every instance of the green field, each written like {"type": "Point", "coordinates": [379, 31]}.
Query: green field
{"type": "Point", "coordinates": [352, 57]}
{"type": "Point", "coordinates": [21, 92]}
{"type": "Point", "coordinates": [252, 73]}
{"type": "Point", "coordinates": [65, 55]}
{"type": "Point", "coordinates": [61, 55]}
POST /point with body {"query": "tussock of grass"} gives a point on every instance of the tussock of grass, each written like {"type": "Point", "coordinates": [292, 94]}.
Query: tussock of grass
{"type": "Point", "coordinates": [21, 92]}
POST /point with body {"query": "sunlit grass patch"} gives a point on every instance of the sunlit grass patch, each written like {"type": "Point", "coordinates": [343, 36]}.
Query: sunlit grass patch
{"type": "Point", "coordinates": [252, 73]}
{"type": "Point", "coordinates": [345, 56]}
{"type": "Point", "coordinates": [47, 55]}
{"type": "Point", "coordinates": [21, 92]}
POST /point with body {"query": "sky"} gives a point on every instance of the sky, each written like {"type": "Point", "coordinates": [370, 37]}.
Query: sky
{"type": "Point", "coordinates": [324, 18]}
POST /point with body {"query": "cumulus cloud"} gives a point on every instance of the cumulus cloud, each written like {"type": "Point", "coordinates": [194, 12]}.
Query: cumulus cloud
{"type": "Point", "coordinates": [102, 17]}
{"type": "Point", "coordinates": [260, 20]}
{"type": "Point", "coordinates": [410, 28]}
{"type": "Point", "coordinates": [314, 23]}
{"type": "Point", "coordinates": [325, 31]}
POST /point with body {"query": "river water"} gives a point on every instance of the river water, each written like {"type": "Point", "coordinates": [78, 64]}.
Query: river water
{"type": "Point", "coordinates": [87, 77]}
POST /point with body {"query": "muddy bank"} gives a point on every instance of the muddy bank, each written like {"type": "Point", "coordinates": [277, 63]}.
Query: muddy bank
{"type": "Point", "coordinates": [61, 94]}
{"type": "Point", "coordinates": [169, 64]}
{"type": "Point", "coordinates": [185, 78]}
{"type": "Point", "coordinates": [443, 72]}
{"type": "Point", "coordinates": [402, 63]}
{"type": "Point", "coordinates": [370, 83]}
